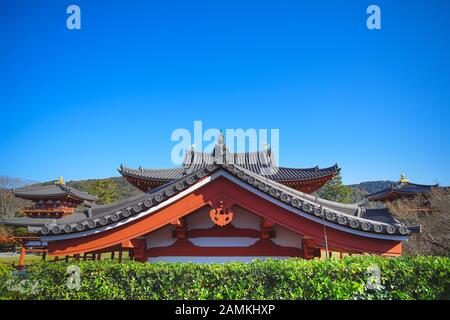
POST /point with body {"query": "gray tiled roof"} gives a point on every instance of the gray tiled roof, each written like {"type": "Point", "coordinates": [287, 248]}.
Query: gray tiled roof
{"type": "Point", "coordinates": [349, 216]}
{"type": "Point", "coordinates": [27, 222]}
{"type": "Point", "coordinates": [52, 191]}
{"type": "Point", "coordinates": [379, 214]}
{"type": "Point", "coordinates": [262, 163]}
{"type": "Point", "coordinates": [406, 188]}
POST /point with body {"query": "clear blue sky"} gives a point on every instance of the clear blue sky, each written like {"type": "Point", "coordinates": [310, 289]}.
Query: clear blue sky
{"type": "Point", "coordinates": [79, 103]}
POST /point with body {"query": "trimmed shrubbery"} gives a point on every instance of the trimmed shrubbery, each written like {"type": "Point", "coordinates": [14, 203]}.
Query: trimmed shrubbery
{"type": "Point", "coordinates": [350, 278]}
{"type": "Point", "coordinates": [5, 280]}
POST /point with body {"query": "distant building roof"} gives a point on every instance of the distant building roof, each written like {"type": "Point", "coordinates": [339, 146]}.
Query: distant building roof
{"type": "Point", "coordinates": [403, 188]}
{"type": "Point", "coordinates": [53, 192]}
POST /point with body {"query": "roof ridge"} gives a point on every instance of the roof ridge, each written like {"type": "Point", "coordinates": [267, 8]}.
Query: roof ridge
{"type": "Point", "coordinates": [148, 169]}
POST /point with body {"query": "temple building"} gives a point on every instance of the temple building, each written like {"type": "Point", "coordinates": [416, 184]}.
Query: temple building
{"type": "Point", "coordinates": [222, 207]}
{"type": "Point", "coordinates": [53, 201]}
{"type": "Point", "coordinates": [403, 189]}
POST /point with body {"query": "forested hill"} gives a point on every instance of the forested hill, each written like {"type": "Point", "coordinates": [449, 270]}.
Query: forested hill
{"type": "Point", "coordinates": [369, 187]}
{"type": "Point", "coordinates": [359, 191]}
{"type": "Point", "coordinates": [124, 189]}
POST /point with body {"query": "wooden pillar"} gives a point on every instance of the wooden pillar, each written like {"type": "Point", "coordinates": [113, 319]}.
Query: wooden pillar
{"type": "Point", "coordinates": [84, 256]}
{"type": "Point", "coordinates": [131, 254]}
{"type": "Point", "coordinates": [99, 256]}
{"type": "Point", "coordinates": [77, 257]}
{"type": "Point", "coordinates": [310, 249]}
{"type": "Point", "coordinates": [44, 255]}
{"type": "Point", "coordinates": [120, 255]}
{"type": "Point", "coordinates": [112, 255]}
{"type": "Point", "coordinates": [136, 248]}
{"type": "Point", "coordinates": [56, 258]}
{"type": "Point", "coordinates": [67, 259]}
{"type": "Point", "coordinates": [23, 252]}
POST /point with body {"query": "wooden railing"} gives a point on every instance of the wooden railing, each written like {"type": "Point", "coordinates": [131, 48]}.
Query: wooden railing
{"type": "Point", "coordinates": [61, 211]}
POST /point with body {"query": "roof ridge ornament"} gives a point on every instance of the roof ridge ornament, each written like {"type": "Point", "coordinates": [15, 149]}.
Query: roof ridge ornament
{"type": "Point", "coordinates": [60, 181]}
{"type": "Point", "coordinates": [220, 150]}
{"type": "Point", "coordinates": [403, 178]}
{"type": "Point", "coordinates": [220, 138]}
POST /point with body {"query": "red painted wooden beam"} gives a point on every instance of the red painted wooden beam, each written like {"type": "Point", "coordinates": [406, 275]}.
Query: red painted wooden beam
{"type": "Point", "coordinates": [262, 248]}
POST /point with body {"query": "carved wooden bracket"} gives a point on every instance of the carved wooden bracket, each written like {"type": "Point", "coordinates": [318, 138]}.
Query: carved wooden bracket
{"type": "Point", "coordinates": [180, 229]}
{"type": "Point", "coordinates": [310, 249]}
{"type": "Point", "coordinates": [266, 229]}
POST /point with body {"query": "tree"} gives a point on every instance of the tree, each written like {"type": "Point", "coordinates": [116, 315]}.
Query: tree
{"type": "Point", "coordinates": [9, 204]}
{"type": "Point", "coordinates": [434, 219]}
{"type": "Point", "coordinates": [105, 190]}
{"type": "Point", "coordinates": [335, 190]}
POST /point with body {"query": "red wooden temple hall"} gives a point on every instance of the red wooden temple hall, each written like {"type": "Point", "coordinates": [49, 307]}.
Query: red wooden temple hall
{"type": "Point", "coordinates": [50, 202]}
{"type": "Point", "coordinates": [221, 206]}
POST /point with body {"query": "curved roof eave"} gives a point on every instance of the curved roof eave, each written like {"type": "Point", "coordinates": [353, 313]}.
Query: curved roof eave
{"type": "Point", "coordinates": [52, 191]}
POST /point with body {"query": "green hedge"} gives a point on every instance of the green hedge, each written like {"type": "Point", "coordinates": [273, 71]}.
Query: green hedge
{"type": "Point", "coordinates": [401, 278]}
{"type": "Point", "coordinates": [6, 278]}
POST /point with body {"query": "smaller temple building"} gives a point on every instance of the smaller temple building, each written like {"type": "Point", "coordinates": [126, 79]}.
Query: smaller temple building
{"type": "Point", "coordinates": [403, 189]}
{"type": "Point", "coordinates": [53, 201]}
{"type": "Point", "coordinates": [415, 195]}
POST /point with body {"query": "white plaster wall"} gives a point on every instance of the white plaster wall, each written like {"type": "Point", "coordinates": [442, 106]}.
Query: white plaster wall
{"type": "Point", "coordinates": [245, 219]}
{"type": "Point", "coordinates": [211, 259]}
{"type": "Point", "coordinates": [199, 220]}
{"type": "Point", "coordinates": [223, 241]}
{"type": "Point", "coordinates": [241, 219]}
{"type": "Point", "coordinates": [287, 238]}
{"type": "Point", "coordinates": [161, 237]}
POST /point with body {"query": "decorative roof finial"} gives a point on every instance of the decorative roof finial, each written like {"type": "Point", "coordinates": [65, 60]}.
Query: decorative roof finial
{"type": "Point", "coordinates": [220, 138]}
{"type": "Point", "coordinates": [60, 181]}
{"type": "Point", "coordinates": [403, 178]}
{"type": "Point", "coordinates": [268, 149]}
{"type": "Point", "coordinates": [220, 150]}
